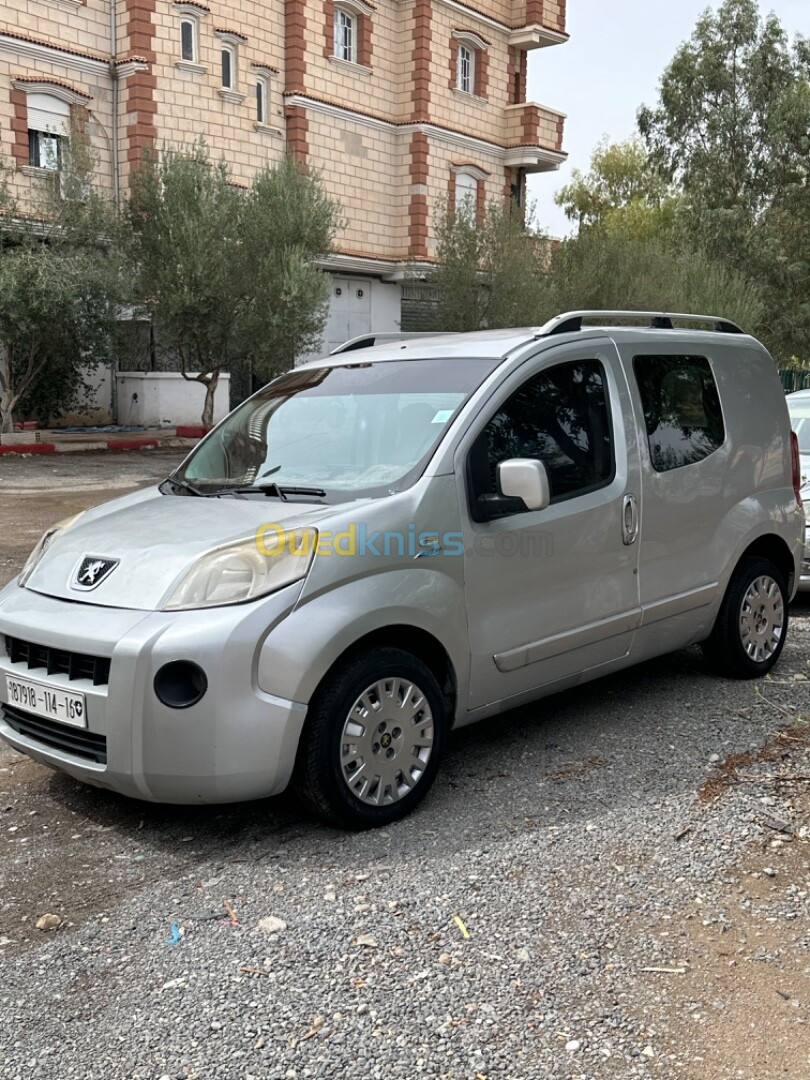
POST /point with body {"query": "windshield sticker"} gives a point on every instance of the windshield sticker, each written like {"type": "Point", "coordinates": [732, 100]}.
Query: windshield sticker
{"type": "Point", "coordinates": [442, 416]}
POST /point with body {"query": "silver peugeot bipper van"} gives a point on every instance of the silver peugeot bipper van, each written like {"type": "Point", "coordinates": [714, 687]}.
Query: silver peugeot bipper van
{"type": "Point", "coordinates": [398, 540]}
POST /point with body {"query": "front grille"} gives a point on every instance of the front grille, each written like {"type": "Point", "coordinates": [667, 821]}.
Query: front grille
{"type": "Point", "coordinates": [75, 741]}
{"type": "Point", "coordinates": [74, 665]}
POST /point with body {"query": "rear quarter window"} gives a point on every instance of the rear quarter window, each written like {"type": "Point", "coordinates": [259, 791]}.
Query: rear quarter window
{"type": "Point", "coordinates": [682, 413]}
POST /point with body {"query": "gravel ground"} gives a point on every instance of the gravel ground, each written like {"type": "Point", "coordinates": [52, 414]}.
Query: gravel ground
{"type": "Point", "coordinates": [611, 884]}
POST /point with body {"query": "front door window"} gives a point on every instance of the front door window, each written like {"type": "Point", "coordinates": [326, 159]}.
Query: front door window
{"type": "Point", "coordinates": [561, 417]}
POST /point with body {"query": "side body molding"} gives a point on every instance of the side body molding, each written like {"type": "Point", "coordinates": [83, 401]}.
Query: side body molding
{"type": "Point", "coordinates": [606, 628]}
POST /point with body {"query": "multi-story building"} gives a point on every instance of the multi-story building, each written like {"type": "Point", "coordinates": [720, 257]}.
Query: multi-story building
{"type": "Point", "coordinates": [398, 104]}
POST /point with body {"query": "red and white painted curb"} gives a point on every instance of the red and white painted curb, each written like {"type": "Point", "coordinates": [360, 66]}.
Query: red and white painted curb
{"type": "Point", "coordinates": [72, 446]}
{"type": "Point", "coordinates": [75, 447]}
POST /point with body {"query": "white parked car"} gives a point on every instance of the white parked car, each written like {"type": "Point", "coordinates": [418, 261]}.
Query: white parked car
{"type": "Point", "coordinates": [394, 541]}
{"type": "Point", "coordinates": [799, 408]}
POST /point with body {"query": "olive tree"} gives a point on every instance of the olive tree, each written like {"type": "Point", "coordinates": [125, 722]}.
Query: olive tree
{"type": "Point", "coordinates": [228, 275]}
{"type": "Point", "coordinates": [602, 269]}
{"type": "Point", "coordinates": [60, 281]}
{"type": "Point", "coordinates": [489, 273]}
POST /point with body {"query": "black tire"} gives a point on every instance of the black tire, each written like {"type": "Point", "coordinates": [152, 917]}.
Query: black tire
{"type": "Point", "coordinates": [323, 781]}
{"type": "Point", "coordinates": [740, 654]}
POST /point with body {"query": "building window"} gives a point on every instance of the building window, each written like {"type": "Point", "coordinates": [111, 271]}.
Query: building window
{"type": "Point", "coordinates": [469, 63]}
{"type": "Point", "coordinates": [48, 130]}
{"type": "Point", "coordinates": [345, 36]}
{"type": "Point", "coordinates": [188, 40]}
{"type": "Point", "coordinates": [465, 80]}
{"type": "Point", "coordinates": [228, 67]}
{"type": "Point", "coordinates": [44, 150]}
{"type": "Point", "coordinates": [261, 101]}
{"type": "Point", "coordinates": [466, 194]}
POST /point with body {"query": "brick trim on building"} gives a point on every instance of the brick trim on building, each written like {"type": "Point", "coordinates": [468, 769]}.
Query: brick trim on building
{"type": "Point", "coordinates": [420, 60]}
{"type": "Point", "coordinates": [534, 16]}
{"type": "Point", "coordinates": [364, 48]}
{"type": "Point", "coordinates": [79, 118]}
{"type": "Point", "coordinates": [481, 73]}
{"type": "Point", "coordinates": [139, 104]}
{"type": "Point", "coordinates": [297, 132]}
{"type": "Point", "coordinates": [517, 75]}
{"type": "Point", "coordinates": [295, 44]}
{"type": "Point", "coordinates": [542, 13]}
{"type": "Point", "coordinates": [19, 126]}
{"type": "Point", "coordinates": [480, 201]}
{"type": "Point", "coordinates": [329, 28]}
{"type": "Point", "coordinates": [560, 126]}
{"type": "Point", "coordinates": [418, 206]}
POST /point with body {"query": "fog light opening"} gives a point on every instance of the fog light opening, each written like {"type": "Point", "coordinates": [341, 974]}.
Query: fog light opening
{"type": "Point", "coordinates": [180, 684]}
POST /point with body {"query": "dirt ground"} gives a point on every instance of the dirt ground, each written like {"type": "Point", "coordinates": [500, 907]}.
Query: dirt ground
{"type": "Point", "coordinates": [735, 983]}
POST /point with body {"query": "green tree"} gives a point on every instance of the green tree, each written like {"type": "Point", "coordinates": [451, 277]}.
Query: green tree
{"type": "Point", "coordinates": [622, 190]}
{"type": "Point", "coordinates": [601, 270]}
{"type": "Point", "coordinates": [489, 273]}
{"type": "Point", "coordinates": [60, 281]}
{"type": "Point", "coordinates": [732, 129]}
{"type": "Point", "coordinates": [228, 276]}
{"type": "Point", "coordinates": [732, 121]}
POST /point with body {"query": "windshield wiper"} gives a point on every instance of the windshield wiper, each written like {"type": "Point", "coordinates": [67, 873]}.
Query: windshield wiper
{"type": "Point", "coordinates": [275, 491]}
{"type": "Point", "coordinates": [184, 484]}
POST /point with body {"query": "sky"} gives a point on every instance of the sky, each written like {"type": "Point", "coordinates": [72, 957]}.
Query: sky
{"type": "Point", "coordinates": [612, 65]}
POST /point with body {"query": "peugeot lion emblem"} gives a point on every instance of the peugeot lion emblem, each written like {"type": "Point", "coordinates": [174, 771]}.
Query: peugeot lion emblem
{"type": "Point", "coordinates": [93, 571]}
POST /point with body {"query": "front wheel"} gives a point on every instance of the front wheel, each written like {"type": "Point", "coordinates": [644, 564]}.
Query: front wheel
{"type": "Point", "coordinates": [751, 626]}
{"type": "Point", "coordinates": [371, 745]}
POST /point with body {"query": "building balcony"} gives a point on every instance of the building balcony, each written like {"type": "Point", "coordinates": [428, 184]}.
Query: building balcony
{"type": "Point", "coordinates": [534, 137]}
{"type": "Point", "coordinates": [539, 23]}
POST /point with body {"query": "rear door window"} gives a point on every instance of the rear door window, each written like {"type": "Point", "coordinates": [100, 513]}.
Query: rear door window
{"type": "Point", "coordinates": [682, 411]}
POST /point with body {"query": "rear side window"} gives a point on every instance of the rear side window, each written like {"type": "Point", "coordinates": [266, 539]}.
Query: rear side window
{"type": "Point", "coordinates": [682, 411]}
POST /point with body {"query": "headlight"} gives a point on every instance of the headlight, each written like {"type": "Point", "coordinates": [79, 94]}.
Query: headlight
{"type": "Point", "coordinates": [45, 543]}
{"type": "Point", "coordinates": [242, 571]}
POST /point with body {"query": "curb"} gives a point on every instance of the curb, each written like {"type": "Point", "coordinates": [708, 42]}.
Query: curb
{"type": "Point", "coordinates": [31, 448]}
{"type": "Point", "coordinates": [191, 431]}
{"type": "Point", "coordinates": [74, 447]}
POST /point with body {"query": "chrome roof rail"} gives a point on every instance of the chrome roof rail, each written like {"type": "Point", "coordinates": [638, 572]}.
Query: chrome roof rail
{"type": "Point", "coordinates": [366, 341]}
{"type": "Point", "coordinates": [571, 321]}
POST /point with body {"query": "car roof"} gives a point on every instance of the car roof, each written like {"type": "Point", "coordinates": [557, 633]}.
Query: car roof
{"type": "Point", "coordinates": [500, 344]}
{"type": "Point", "coordinates": [487, 344]}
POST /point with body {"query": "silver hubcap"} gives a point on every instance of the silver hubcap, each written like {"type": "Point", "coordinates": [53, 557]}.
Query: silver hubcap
{"type": "Point", "coordinates": [762, 619]}
{"type": "Point", "coordinates": [386, 742]}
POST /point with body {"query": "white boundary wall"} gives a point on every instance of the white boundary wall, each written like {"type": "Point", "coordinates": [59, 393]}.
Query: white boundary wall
{"type": "Point", "coordinates": [155, 398]}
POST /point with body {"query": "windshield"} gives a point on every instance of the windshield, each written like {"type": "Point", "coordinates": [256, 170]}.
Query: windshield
{"type": "Point", "coordinates": [800, 422]}
{"type": "Point", "coordinates": [349, 431]}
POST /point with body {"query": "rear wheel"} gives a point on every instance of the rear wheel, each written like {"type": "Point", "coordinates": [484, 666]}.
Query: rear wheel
{"type": "Point", "coordinates": [371, 745]}
{"type": "Point", "coordinates": [751, 626]}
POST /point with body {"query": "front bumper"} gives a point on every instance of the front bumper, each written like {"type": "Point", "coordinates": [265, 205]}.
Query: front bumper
{"type": "Point", "coordinates": [237, 743]}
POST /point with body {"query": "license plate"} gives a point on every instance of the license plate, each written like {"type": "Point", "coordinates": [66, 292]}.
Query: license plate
{"type": "Point", "coordinates": [48, 701]}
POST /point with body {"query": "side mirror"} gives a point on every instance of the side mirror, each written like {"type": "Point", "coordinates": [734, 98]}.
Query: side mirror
{"type": "Point", "coordinates": [525, 479]}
